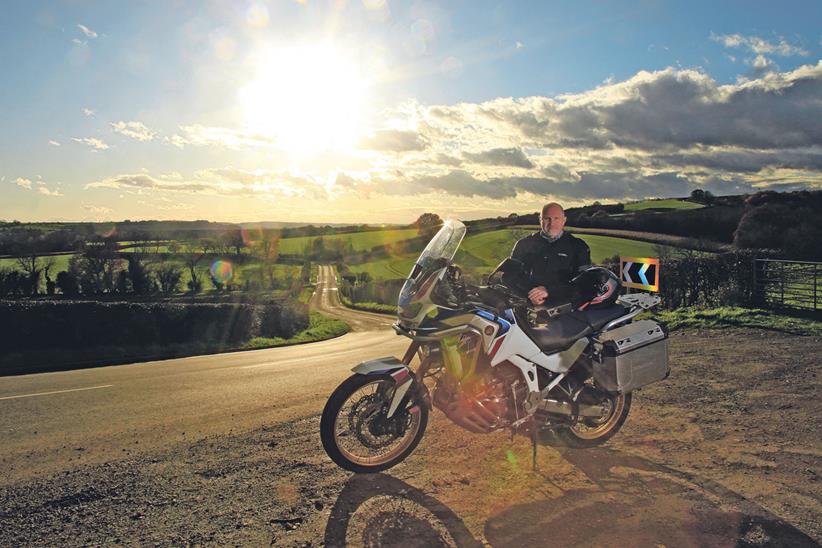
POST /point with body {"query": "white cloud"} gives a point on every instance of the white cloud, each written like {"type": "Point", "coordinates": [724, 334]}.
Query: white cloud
{"type": "Point", "coordinates": [520, 45]}
{"type": "Point", "coordinates": [762, 63]}
{"type": "Point", "coordinates": [759, 45]}
{"type": "Point", "coordinates": [396, 140]}
{"type": "Point", "coordinates": [96, 144]}
{"type": "Point", "coordinates": [87, 31]}
{"type": "Point", "coordinates": [89, 111]}
{"type": "Point", "coordinates": [46, 192]}
{"type": "Point", "coordinates": [78, 42]}
{"type": "Point", "coordinates": [513, 157]}
{"type": "Point", "coordinates": [24, 183]}
{"type": "Point", "coordinates": [199, 135]}
{"type": "Point", "coordinates": [54, 143]}
{"type": "Point", "coordinates": [135, 130]}
{"type": "Point", "coordinates": [176, 140]}
{"type": "Point", "coordinates": [226, 181]}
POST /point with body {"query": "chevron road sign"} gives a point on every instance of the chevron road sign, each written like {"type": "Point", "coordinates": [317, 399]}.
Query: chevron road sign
{"type": "Point", "coordinates": [639, 273]}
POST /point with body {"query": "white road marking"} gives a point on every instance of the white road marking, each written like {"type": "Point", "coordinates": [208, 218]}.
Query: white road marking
{"type": "Point", "coordinates": [56, 392]}
{"type": "Point", "coordinates": [314, 358]}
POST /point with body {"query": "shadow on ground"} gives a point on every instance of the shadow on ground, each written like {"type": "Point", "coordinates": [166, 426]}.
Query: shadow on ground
{"type": "Point", "coordinates": [631, 502]}
{"type": "Point", "coordinates": [635, 502]}
{"type": "Point", "coordinates": [380, 510]}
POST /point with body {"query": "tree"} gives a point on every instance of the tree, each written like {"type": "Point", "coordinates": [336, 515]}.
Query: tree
{"type": "Point", "coordinates": [11, 282]}
{"type": "Point", "coordinates": [427, 223]}
{"type": "Point", "coordinates": [96, 267]}
{"type": "Point", "coordinates": [67, 283]}
{"type": "Point", "coordinates": [138, 275]}
{"type": "Point", "coordinates": [48, 264]}
{"type": "Point", "coordinates": [31, 264]}
{"type": "Point", "coordinates": [194, 253]}
{"type": "Point", "coordinates": [234, 239]}
{"type": "Point", "coordinates": [169, 276]}
{"type": "Point", "coordinates": [267, 250]}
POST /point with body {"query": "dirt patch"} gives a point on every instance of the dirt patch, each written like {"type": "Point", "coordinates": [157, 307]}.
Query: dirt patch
{"type": "Point", "coordinates": [725, 452]}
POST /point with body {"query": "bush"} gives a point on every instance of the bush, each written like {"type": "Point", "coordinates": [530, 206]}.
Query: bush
{"type": "Point", "coordinates": [71, 324]}
{"type": "Point", "coordinates": [724, 279]}
{"type": "Point", "coordinates": [283, 321]}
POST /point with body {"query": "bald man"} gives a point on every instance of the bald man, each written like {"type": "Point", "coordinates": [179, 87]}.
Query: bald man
{"type": "Point", "coordinates": [552, 257]}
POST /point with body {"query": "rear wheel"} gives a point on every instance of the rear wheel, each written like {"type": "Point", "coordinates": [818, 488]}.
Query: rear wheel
{"type": "Point", "coordinates": [593, 431]}
{"type": "Point", "coordinates": [357, 433]}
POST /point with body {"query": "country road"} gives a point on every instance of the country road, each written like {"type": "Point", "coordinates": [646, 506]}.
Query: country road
{"type": "Point", "coordinates": [224, 450]}
{"type": "Point", "coordinates": [109, 411]}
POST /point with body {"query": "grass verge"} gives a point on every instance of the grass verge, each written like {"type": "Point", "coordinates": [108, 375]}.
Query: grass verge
{"type": "Point", "coordinates": [319, 328]}
{"type": "Point", "coordinates": [694, 318]}
{"type": "Point", "coordinates": [379, 308]}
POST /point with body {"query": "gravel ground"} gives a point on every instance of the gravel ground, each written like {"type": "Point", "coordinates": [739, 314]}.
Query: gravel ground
{"type": "Point", "coordinates": [726, 452]}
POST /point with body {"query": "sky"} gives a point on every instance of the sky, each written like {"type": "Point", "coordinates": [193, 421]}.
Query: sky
{"type": "Point", "coordinates": [375, 111]}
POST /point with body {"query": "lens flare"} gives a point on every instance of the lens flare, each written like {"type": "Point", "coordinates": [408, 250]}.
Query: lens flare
{"type": "Point", "coordinates": [222, 271]}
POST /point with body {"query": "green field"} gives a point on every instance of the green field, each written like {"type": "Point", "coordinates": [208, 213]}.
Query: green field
{"type": "Point", "coordinates": [360, 241]}
{"type": "Point", "coordinates": [60, 263]}
{"type": "Point", "coordinates": [480, 253]}
{"type": "Point", "coordinates": [670, 203]}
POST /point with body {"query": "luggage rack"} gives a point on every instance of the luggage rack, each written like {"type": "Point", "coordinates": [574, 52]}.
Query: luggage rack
{"type": "Point", "coordinates": [642, 300]}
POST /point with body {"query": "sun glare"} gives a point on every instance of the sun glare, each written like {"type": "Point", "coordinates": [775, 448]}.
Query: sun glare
{"type": "Point", "coordinates": [309, 98]}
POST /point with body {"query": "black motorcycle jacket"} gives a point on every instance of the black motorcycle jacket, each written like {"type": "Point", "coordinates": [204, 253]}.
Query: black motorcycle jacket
{"type": "Point", "coordinates": [548, 264]}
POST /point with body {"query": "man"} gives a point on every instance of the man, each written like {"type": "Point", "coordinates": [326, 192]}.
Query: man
{"type": "Point", "coordinates": [552, 257]}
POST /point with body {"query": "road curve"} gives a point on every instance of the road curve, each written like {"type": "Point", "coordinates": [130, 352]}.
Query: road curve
{"type": "Point", "coordinates": [326, 299]}
{"type": "Point", "coordinates": [51, 422]}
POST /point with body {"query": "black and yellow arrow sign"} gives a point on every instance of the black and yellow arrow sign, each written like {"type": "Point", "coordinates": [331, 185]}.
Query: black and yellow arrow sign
{"type": "Point", "coordinates": [639, 273]}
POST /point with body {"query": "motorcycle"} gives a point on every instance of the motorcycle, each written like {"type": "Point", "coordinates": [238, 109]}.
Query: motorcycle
{"type": "Point", "coordinates": [490, 361]}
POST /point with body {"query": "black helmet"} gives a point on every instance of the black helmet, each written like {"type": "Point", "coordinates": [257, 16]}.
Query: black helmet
{"type": "Point", "coordinates": [597, 287]}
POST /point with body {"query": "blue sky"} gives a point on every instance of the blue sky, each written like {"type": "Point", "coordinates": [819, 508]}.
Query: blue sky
{"type": "Point", "coordinates": [375, 111]}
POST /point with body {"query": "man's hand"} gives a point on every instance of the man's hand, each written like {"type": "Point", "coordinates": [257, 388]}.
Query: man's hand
{"type": "Point", "coordinates": [538, 295]}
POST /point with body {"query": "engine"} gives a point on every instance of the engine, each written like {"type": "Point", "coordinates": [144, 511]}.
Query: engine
{"type": "Point", "coordinates": [492, 401]}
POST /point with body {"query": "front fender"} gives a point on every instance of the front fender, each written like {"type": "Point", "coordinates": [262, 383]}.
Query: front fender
{"type": "Point", "coordinates": [398, 371]}
{"type": "Point", "coordinates": [386, 365]}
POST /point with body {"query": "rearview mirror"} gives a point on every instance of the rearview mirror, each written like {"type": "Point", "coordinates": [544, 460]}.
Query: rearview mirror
{"type": "Point", "coordinates": [508, 265]}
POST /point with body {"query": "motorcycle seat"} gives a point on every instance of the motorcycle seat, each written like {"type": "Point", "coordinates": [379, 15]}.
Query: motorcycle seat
{"type": "Point", "coordinates": [559, 333]}
{"type": "Point", "coordinates": [599, 317]}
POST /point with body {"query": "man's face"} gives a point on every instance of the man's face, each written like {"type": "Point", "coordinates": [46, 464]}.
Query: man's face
{"type": "Point", "coordinates": [553, 220]}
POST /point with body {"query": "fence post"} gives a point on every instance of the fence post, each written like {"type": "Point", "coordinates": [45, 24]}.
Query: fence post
{"type": "Point", "coordinates": [758, 295]}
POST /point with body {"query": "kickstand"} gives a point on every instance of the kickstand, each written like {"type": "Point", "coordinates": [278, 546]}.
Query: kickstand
{"type": "Point", "coordinates": [534, 444]}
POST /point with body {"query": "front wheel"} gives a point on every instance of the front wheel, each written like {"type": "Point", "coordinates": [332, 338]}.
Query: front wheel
{"type": "Point", "coordinates": [590, 432]}
{"type": "Point", "coordinates": [356, 432]}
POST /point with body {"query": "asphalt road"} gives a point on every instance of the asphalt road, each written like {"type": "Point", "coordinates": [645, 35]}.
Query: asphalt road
{"type": "Point", "coordinates": [50, 422]}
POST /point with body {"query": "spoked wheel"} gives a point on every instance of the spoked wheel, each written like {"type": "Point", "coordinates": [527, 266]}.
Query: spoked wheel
{"type": "Point", "coordinates": [592, 431]}
{"type": "Point", "coordinates": [357, 433]}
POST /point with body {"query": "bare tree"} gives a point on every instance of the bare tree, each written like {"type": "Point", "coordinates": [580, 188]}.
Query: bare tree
{"type": "Point", "coordinates": [32, 266]}
{"type": "Point", "coordinates": [194, 253]}
{"type": "Point", "coordinates": [268, 250]}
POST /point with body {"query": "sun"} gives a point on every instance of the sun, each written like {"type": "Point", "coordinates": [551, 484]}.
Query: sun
{"type": "Point", "coordinates": [311, 99]}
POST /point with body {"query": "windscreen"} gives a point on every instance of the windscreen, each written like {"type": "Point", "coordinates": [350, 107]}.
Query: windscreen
{"type": "Point", "coordinates": [439, 251]}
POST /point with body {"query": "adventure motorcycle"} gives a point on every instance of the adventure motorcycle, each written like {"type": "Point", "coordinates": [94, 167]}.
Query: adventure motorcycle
{"type": "Point", "coordinates": [487, 363]}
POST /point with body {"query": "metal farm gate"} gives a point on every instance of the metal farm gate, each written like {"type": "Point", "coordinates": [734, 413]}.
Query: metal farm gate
{"type": "Point", "coordinates": [788, 284]}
